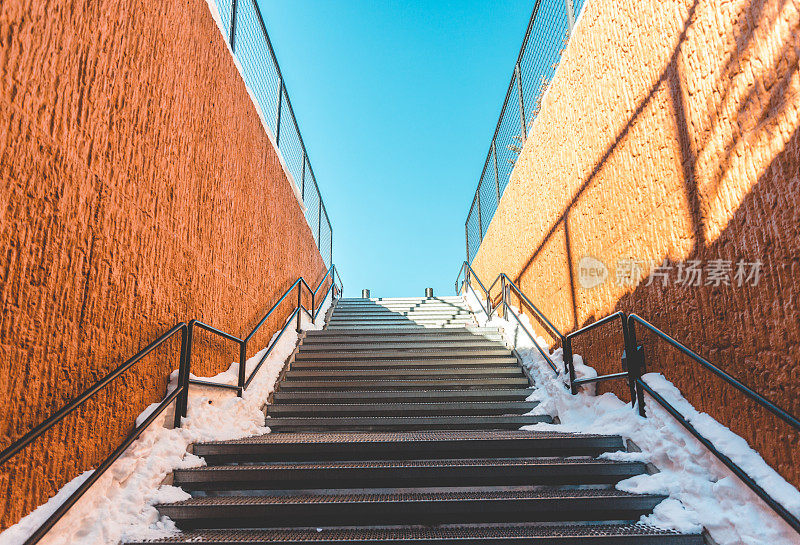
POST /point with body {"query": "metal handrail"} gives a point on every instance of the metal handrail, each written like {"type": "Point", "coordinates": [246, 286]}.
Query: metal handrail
{"type": "Point", "coordinates": [637, 367]}
{"type": "Point", "coordinates": [633, 365]}
{"type": "Point", "coordinates": [506, 282]}
{"type": "Point", "coordinates": [62, 413]}
{"type": "Point", "coordinates": [776, 506]}
{"type": "Point", "coordinates": [749, 392]}
{"type": "Point", "coordinates": [575, 382]}
{"type": "Point", "coordinates": [243, 381]}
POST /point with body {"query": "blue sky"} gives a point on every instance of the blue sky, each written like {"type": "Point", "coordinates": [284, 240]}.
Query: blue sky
{"type": "Point", "coordinates": [397, 102]}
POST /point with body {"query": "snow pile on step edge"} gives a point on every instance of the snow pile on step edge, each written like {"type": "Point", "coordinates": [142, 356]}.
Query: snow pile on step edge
{"type": "Point", "coordinates": [702, 491]}
{"type": "Point", "coordinates": [119, 506]}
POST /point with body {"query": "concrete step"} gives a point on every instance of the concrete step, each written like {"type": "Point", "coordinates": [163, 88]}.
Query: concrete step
{"type": "Point", "coordinates": [401, 396]}
{"type": "Point", "coordinates": [347, 508]}
{"type": "Point", "coordinates": [403, 423]}
{"type": "Point", "coordinates": [405, 445]}
{"type": "Point", "coordinates": [408, 384]}
{"type": "Point", "coordinates": [446, 408]}
{"type": "Point", "coordinates": [407, 473]}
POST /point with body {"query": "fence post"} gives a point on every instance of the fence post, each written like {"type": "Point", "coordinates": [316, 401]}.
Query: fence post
{"type": "Point", "coordinates": [466, 234]}
{"type": "Point", "coordinates": [233, 26]}
{"type": "Point", "coordinates": [278, 117]}
{"type": "Point", "coordinates": [303, 178]}
{"type": "Point", "coordinates": [496, 173]}
{"type": "Point", "coordinates": [330, 253]}
{"type": "Point", "coordinates": [522, 120]}
{"type": "Point", "coordinates": [570, 16]}
{"type": "Point", "coordinates": [319, 220]}
{"type": "Point", "coordinates": [480, 219]}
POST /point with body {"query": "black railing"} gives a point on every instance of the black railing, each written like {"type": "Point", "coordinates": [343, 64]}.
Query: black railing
{"type": "Point", "coordinates": [546, 37]}
{"type": "Point", "coordinates": [247, 36]}
{"type": "Point", "coordinates": [243, 380]}
{"type": "Point", "coordinates": [59, 415]}
{"type": "Point", "coordinates": [633, 368]}
{"type": "Point", "coordinates": [179, 394]}
{"type": "Point", "coordinates": [637, 367]}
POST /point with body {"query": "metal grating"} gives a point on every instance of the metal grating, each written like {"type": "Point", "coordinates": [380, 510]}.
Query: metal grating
{"type": "Point", "coordinates": [545, 39]}
{"type": "Point", "coordinates": [539, 493]}
{"type": "Point", "coordinates": [426, 534]}
{"type": "Point", "coordinates": [388, 464]}
{"type": "Point", "coordinates": [383, 437]}
{"type": "Point", "coordinates": [262, 75]}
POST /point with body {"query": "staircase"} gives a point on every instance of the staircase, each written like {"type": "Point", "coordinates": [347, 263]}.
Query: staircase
{"type": "Point", "coordinates": [400, 422]}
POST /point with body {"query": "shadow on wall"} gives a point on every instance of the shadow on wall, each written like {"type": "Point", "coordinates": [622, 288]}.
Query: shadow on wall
{"type": "Point", "coordinates": [752, 331]}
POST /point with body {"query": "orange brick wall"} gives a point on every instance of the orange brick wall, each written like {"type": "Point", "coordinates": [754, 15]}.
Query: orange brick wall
{"type": "Point", "coordinates": [671, 130]}
{"type": "Point", "coordinates": [138, 189]}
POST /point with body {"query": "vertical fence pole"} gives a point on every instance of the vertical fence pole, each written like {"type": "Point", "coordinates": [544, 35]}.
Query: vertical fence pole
{"type": "Point", "coordinates": [278, 117]}
{"type": "Point", "coordinates": [480, 219]}
{"type": "Point", "coordinates": [330, 251]}
{"type": "Point", "coordinates": [233, 26]}
{"type": "Point", "coordinates": [570, 16]}
{"type": "Point", "coordinates": [319, 221]}
{"type": "Point", "coordinates": [522, 120]}
{"type": "Point", "coordinates": [303, 178]}
{"type": "Point", "coordinates": [496, 172]}
{"type": "Point", "coordinates": [466, 234]}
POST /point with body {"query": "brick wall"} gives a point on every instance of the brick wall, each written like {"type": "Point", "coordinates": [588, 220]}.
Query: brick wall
{"type": "Point", "coordinates": [671, 130]}
{"type": "Point", "coordinates": [138, 189]}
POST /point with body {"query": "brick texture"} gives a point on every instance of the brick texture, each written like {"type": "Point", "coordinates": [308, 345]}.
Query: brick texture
{"type": "Point", "coordinates": [139, 189]}
{"type": "Point", "coordinates": [671, 130]}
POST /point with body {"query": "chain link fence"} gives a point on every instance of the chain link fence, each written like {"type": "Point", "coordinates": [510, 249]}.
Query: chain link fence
{"type": "Point", "coordinates": [247, 35]}
{"type": "Point", "coordinates": [545, 39]}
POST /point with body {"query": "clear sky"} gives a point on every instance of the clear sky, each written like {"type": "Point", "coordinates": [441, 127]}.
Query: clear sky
{"type": "Point", "coordinates": [397, 102]}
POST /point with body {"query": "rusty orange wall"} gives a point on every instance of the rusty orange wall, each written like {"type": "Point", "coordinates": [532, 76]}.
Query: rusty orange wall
{"type": "Point", "coordinates": [671, 130]}
{"type": "Point", "coordinates": [138, 189]}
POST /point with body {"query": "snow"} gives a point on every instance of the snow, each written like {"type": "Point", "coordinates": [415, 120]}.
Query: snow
{"type": "Point", "coordinates": [701, 491]}
{"type": "Point", "coordinates": [120, 505]}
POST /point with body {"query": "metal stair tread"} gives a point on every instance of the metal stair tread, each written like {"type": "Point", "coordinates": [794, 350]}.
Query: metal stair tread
{"type": "Point", "coordinates": [355, 496]}
{"type": "Point", "coordinates": [415, 436]}
{"type": "Point", "coordinates": [426, 463]}
{"type": "Point", "coordinates": [445, 533]}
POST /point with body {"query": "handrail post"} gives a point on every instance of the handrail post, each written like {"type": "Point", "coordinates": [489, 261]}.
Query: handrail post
{"type": "Point", "coordinates": [182, 401]}
{"type": "Point", "coordinates": [503, 289]}
{"type": "Point", "coordinates": [299, 305]}
{"type": "Point", "coordinates": [242, 367]}
{"type": "Point", "coordinates": [634, 357]}
{"type": "Point", "coordinates": [566, 351]}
